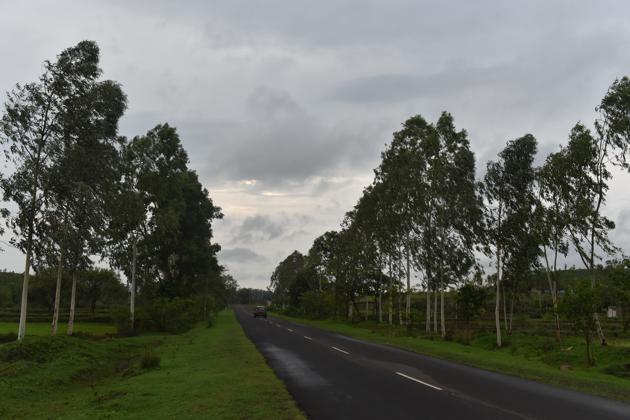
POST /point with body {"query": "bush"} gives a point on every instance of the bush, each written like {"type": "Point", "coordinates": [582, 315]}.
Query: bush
{"type": "Point", "coordinates": [149, 360]}
{"type": "Point", "coordinates": [175, 315]}
{"type": "Point", "coordinates": [210, 321]}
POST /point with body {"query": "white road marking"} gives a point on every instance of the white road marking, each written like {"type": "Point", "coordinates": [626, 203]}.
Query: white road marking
{"type": "Point", "coordinates": [289, 329]}
{"type": "Point", "coordinates": [419, 381]}
{"type": "Point", "coordinates": [308, 338]}
{"type": "Point", "coordinates": [343, 351]}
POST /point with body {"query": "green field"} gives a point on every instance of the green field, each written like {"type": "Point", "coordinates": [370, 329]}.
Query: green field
{"type": "Point", "coordinates": [205, 373]}
{"type": "Point", "coordinates": [533, 357]}
{"type": "Point", "coordinates": [43, 328]}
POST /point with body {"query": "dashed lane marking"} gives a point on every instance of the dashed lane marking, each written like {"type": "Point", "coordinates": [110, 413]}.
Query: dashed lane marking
{"type": "Point", "coordinates": [342, 351]}
{"type": "Point", "coordinates": [419, 381]}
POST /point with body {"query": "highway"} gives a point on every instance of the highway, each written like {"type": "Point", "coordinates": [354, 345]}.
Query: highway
{"type": "Point", "coordinates": [332, 376]}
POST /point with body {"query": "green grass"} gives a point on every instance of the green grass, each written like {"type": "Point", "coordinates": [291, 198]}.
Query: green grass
{"type": "Point", "coordinates": [43, 328]}
{"type": "Point", "coordinates": [533, 357]}
{"type": "Point", "coordinates": [205, 373]}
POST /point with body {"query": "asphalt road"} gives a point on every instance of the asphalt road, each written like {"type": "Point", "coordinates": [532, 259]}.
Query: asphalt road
{"type": "Point", "coordinates": [332, 376]}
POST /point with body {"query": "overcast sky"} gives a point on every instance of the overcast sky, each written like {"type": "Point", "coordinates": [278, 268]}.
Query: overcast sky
{"type": "Point", "coordinates": [285, 106]}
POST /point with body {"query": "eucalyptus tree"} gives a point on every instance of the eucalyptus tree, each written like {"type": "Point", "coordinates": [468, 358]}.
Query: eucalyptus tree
{"type": "Point", "coordinates": [508, 190]}
{"type": "Point", "coordinates": [85, 176]}
{"type": "Point", "coordinates": [128, 208]}
{"type": "Point", "coordinates": [34, 128]}
{"type": "Point", "coordinates": [584, 187]}
{"type": "Point", "coordinates": [457, 206]}
{"type": "Point", "coordinates": [552, 216]}
{"type": "Point", "coordinates": [402, 177]}
{"type": "Point", "coordinates": [369, 217]}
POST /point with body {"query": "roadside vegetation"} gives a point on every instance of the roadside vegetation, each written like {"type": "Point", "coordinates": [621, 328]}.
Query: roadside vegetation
{"type": "Point", "coordinates": [431, 250]}
{"type": "Point", "coordinates": [111, 316]}
{"type": "Point", "coordinates": [206, 372]}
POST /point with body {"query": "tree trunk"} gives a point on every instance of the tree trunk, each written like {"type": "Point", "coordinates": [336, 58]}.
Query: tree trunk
{"type": "Point", "coordinates": [400, 314]}
{"type": "Point", "coordinates": [497, 306]}
{"type": "Point", "coordinates": [367, 307]}
{"type": "Point", "coordinates": [132, 300]}
{"type": "Point", "coordinates": [391, 293]}
{"type": "Point", "coordinates": [350, 307]}
{"type": "Point", "coordinates": [505, 321]}
{"type": "Point", "coordinates": [553, 291]}
{"type": "Point", "coordinates": [408, 306]}
{"type": "Point", "coordinates": [442, 320]}
{"type": "Point", "coordinates": [73, 297]}
{"type": "Point", "coordinates": [428, 320]}
{"type": "Point", "coordinates": [55, 320]}
{"type": "Point", "coordinates": [380, 305]}
{"type": "Point", "coordinates": [24, 303]}
{"type": "Point", "coordinates": [511, 316]}
{"type": "Point", "coordinates": [435, 305]}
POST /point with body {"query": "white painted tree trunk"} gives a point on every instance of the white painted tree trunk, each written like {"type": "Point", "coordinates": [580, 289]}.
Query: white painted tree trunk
{"type": "Point", "coordinates": [435, 305]}
{"type": "Point", "coordinates": [391, 294]}
{"type": "Point", "coordinates": [408, 306]}
{"type": "Point", "coordinates": [24, 303]}
{"type": "Point", "coordinates": [497, 306]}
{"type": "Point", "coordinates": [73, 297]}
{"type": "Point", "coordinates": [442, 320]}
{"type": "Point", "coordinates": [132, 302]}
{"type": "Point", "coordinates": [380, 306]}
{"type": "Point", "coordinates": [55, 320]}
{"type": "Point", "coordinates": [428, 321]}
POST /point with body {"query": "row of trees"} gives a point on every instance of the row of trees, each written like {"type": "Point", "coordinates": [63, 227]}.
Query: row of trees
{"type": "Point", "coordinates": [79, 191]}
{"type": "Point", "coordinates": [427, 215]}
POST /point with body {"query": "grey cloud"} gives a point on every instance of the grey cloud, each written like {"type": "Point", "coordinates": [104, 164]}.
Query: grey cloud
{"type": "Point", "coordinates": [278, 143]}
{"type": "Point", "coordinates": [259, 227]}
{"type": "Point", "coordinates": [241, 255]}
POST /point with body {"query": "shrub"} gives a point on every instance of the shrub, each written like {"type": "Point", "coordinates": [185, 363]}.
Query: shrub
{"type": "Point", "coordinates": [149, 359]}
{"type": "Point", "coordinates": [174, 315]}
{"type": "Point", "coordinates": [210, 321]}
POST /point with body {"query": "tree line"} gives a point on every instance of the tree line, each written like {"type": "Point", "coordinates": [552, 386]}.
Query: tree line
{"type": "Point", "coordinates": [79, 192]}
{"type": "Point", "coordinates": [427, 214]}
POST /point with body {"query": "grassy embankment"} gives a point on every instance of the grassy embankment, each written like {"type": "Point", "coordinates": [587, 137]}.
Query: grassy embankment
{"type": "Point", "coordinates": [533, 357]}
{"type": "Point", "coordinates": [205, 373]}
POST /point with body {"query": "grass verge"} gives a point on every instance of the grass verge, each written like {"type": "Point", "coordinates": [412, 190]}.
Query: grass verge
{"type": "Point", "coordinates": [532, 357]}
{"type": "Point", "coordinates": [205, 373]}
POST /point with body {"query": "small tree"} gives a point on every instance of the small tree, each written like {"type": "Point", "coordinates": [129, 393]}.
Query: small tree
{"type": "Point", "coordinates": [578, 306]}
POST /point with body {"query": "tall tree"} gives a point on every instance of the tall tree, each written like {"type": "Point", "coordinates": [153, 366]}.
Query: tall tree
{"type": "Point", "coordinates": [32, 130]}
{"type": "Point", "coordinates": [585, 184]}
{"type": "Point", "coordinates": [508, 188]}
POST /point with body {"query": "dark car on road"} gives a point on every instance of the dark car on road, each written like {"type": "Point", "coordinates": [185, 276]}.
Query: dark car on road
{"type": "Point", "coordinates": [260, 311]}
